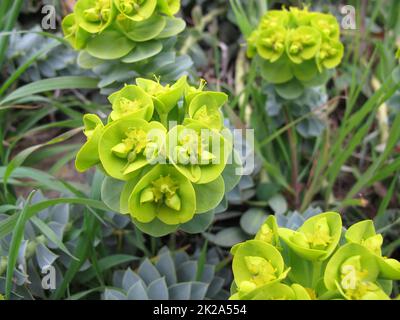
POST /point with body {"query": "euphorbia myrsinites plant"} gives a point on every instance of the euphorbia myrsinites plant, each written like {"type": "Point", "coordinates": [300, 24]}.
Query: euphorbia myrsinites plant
{"type": "Point", "coordinates": [296, 47]}
{"type": "Point", "coordinates": [164, 150]}
{"type": "Point", "coordinates": [320, 260]}
{"type": "Point", "coordinates": [131, 30]}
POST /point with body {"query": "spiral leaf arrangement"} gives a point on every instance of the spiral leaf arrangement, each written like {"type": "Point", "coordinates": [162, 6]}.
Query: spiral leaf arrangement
{"type": "Point", "coordinates": [165, 176]}
{"type": "Point", "coordinates": [316, 261]}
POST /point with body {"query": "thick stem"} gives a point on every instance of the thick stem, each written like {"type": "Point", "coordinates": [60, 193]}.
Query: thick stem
{"type": "Point", "coordinates": [294, 160]}
{"type": "Point", "coordinates": [316, 273]}
{"type": "Point", "coordinates": [164, 119]}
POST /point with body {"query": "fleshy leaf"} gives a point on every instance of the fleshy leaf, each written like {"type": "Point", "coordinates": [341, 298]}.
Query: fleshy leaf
{"type": "Point", "coordinates": [99, 46]}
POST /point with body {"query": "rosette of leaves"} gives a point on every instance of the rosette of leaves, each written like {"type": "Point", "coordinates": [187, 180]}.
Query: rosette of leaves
{"type": "Point", "coordinates": [323, 261]}
{"type": "Point", "coordinates": [165, 177]}
{"type": "Point", "coordinates": [295, 49]}
{"type": "Point", "coordinates": [169, 276]}
{"type": "Point", "coordinates": [246, 187]}
{"type": "Point", "coordinates": [121, 39]}
{"type": "Point", "coordinates": [41, 247]}
{"type": "Point", "coordinates": [54, 59]}
{"type": "Point", "coordinates": [307, 105]}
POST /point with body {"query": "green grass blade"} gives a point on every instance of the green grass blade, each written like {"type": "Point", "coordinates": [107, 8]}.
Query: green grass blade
{"type": "Point", "coordinates": [16, 240]}
{"type": "Point", "coordinates": [394, 138]}
{"type": "Point", "coordinates": [21, 69]}
{"type": "Point", "coordinates": [10, 20]}
{"type": "Point", "coordinates": [59, 83]}
{"type": "Point", "coordinates": [49, 233]}
{"type": "Point", "coordinates": [105, 264]}
{"type": "Point", "coordinates": [21, 157]}
{"type": "Point", "coordinates": [7, 226]}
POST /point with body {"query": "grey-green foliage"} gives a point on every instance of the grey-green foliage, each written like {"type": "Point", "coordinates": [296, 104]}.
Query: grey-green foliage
{"type": "Point", "coordinates": [312, 100]}
{"type": "Point", "coordinates": [294, 219]}
{"type": "Point", "coordinates": [169, 276]}
{"type": "Point", "coordinates": [57, 61]}
{"type": "Point", "coordinates": [394, 101]}
{"type": "Point", "coordinates": [37, 252]}
{"type": "Point", "coordinates": [167, 65]}
{"type": "Point", "coordinates": [246, 188]}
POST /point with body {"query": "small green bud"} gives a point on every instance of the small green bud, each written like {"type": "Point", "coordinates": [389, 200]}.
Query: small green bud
{"type": "Point", "coordinates": [105, 14]}
{"type": "Point", "coordinates": [121, 150]}
{"type": "Point", "coordinates": [147, 195]}
{"type": "Point", "coordinates": [300, 239]}
{"type": "Point", "coordinates": [295, 48]}
{"type": "Point", "coordinates": [132, 156]}
{"type": "Point", "coordinates": [373, 243]}
{"type": "Point", "coordinates": [126, 7]}
{"type": "Point", "coordinates": [174, 202]}
{"type": "Point", "coordinates": [92, 15]}
{"type": "Point", "coordinates": [266, 234]}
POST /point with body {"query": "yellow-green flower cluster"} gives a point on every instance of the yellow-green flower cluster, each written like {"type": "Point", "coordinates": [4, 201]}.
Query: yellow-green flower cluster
{"type": "Point", "coordinates": [296, 44]}
{"type": "Point", "coordinates": [312, 262]}
{"type": "Point", "coordinates": [167, 146]}
{"type": "Point", "coordinates": [131, 30]}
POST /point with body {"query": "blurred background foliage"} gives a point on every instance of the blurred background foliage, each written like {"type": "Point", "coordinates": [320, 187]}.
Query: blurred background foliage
{"type": "Point", "coordinates": [334, 148]}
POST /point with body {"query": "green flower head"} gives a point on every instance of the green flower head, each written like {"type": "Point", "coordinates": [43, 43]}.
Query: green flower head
{"type": "Point", "coordinates": [255, 265]}
{"type": "Point", "coordinates": [166, 180]}
{"type": "Point", "coordinates": [271, 43]}
{"type": "Point", "coordinates": [330, 54]}
{"type": "Point", "coordinates": [131, 100]}
{"type": "Point", "coordinates": [317, 238]}
{"type": "Point", "coordinates": [302, 44]}
{"type": "Point", "coordinates": [296, 44]}
{"type": "Point", "coordinates": [129, 144]}
{"type": "Point", "coordinates": [165, 194]}
{"type": "Point", "coordinates": [353, 270]}
{"type": "Point", "coordinates": [94, 15]}
{"type": "Point", "coordinates": [136, 10]}
{"type": "Point", "coordinates": [275, 18]}
{"type": "Point", "coordinates": [191, 92]}
{"type": "Point", "coordinates": [364, 233]}
{"type": "Point", "coordinates": [205, 109]}
{"type": "Point", "coordinates": [299, 17]}
{"type": "Point", "coordinates": [88, 155]}
{"type": "Point", "coordinates": [165, 97]}
{"type": "Point", "coordinates": [130, 31]}
{"type": "Point", "coordinates": [74, 34]}
{"type": "Point", "coordinates": [169, 7]}
{"type": "Point", "coordinates": [326, 24]}
{"type": "Point", "coordinates": [269, 232]}
{"type": "Point", "coordinates": [198, 152]}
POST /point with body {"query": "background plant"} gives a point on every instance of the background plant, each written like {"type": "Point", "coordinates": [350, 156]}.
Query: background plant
{"type": "Point", "coordinates": [358, 110]}
{"type": "Point", "coordinates": [318, 260]}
